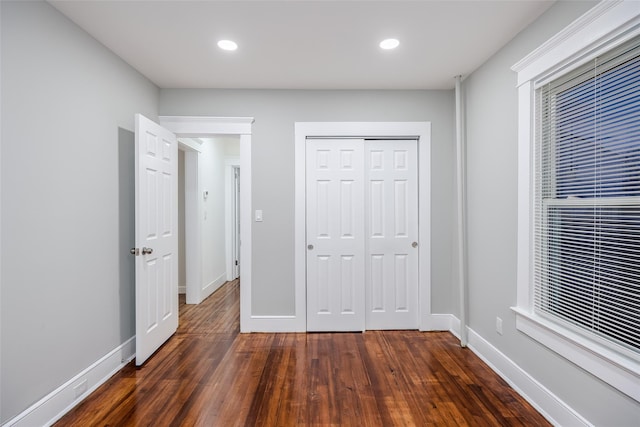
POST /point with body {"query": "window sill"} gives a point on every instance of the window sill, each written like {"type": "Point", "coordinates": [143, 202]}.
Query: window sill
{"type": "Point", "coordinates": [616, 369]}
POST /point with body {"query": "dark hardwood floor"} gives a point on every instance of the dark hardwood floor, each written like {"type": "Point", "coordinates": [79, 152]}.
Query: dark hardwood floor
{"type": "Point", "coordinates": [208, 374]}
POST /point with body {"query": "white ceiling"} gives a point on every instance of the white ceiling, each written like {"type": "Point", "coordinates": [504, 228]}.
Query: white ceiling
{"type": "Point", "coordinates": [303, 44]}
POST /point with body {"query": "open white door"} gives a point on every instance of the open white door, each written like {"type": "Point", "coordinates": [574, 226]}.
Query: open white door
{"type": "Point", "coordinates": [156, 236]}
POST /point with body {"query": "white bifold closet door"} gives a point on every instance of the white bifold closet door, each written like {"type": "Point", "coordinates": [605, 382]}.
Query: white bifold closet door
{"type": "Point", "coordinates": [362, 228]}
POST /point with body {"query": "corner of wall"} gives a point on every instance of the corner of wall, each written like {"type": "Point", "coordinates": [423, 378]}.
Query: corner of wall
{"type": "Point", "coordinates": [542, 399]}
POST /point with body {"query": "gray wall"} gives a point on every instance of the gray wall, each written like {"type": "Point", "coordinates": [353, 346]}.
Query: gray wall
{"type": "Point", "coordinates": [491, 109]}
{"type": "Point", "coordinates": [275, 112]}
{"type": "Point", "coordinates": [211, 179]}
{"type": "Point", "coordinates": [67, 200]}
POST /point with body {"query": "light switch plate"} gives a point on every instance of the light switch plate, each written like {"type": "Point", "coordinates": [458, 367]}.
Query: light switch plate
{"type": "Point", "coordinates": [258, 215]}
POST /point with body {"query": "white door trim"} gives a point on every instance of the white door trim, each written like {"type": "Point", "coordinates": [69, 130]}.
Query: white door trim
{"type": "Point", "coordinates": [409, 130]}
{"type": "Point", "coordinates": [229, 169]}
{"type": "Point", "coordinates": [198, 127]}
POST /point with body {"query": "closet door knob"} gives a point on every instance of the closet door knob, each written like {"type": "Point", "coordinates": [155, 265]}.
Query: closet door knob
{"type": "Point", "coordinates": [310, 247]}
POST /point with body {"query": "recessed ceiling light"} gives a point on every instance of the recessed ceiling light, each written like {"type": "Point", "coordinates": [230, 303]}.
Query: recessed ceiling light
{"type": "Point", "coordinates": [389, 44]}
{"type": "Point", "coordinates": [227, 45]}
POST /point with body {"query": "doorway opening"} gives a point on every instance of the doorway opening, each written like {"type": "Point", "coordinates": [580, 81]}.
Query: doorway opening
{"type": "Point", "coordinates": [208, 201]}
{"type": "Point", "coordinates": [192, 132]}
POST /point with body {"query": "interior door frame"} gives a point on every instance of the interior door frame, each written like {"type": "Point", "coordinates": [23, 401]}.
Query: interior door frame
{"type": "Point", "coordinates": [231, 235]}
{"type": "Point", "coordinates": [204, 127]}
{"type": "Point", "coordinates": [421, 131]}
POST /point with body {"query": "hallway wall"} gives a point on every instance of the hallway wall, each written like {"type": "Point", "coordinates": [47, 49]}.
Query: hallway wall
{"type": "Point", "coordinates": [212, 180]}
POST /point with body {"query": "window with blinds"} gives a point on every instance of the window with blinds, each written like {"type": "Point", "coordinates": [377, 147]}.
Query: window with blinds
{"type": "Point", "coordinates": [587, 198]}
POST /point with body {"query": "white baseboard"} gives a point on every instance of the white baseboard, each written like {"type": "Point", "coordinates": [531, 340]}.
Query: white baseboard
{"type": "Point", "coordinates": [273, 324]}
{"type": "Point", "coordinates": [548, 404]}
{"type": "Point", "coordinates": [52, 407]}
{"type": "Point", "coordinates": [212, 286]}
{"type": "Point", "coordinates": [437, 322]}
{"type": "Point", "coordinates": [182, 289]}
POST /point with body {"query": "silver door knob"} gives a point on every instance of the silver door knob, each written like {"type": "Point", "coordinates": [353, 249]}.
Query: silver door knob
{"type": "Point", "coordinates": [414, 245]}
{"type": "Point", "coordinates": [147, 251]}
{"type": "Point", "coordinates": [310, 247]}
{"type": "Point", "coordinates": [134, 251]}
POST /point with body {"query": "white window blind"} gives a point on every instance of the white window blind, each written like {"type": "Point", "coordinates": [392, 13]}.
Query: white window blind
{"type": "Point", "coordinates": [587, 199]}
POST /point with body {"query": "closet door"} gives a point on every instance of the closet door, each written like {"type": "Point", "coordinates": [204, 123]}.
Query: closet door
{"type": "Point", "coordinates": [391, 201]}
{"type": "Point", "coordinates": [335, 235]}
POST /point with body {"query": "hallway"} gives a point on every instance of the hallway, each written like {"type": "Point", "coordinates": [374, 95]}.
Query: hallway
{"type": "Point", "coordinates": [208, 374]}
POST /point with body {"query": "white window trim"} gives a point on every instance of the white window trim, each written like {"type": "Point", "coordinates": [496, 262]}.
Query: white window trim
{"type": "Point", "coordinates": [608, 24]}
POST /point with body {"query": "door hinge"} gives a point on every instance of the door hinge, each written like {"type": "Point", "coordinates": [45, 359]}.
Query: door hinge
{"type": "Point", "coordinates": [236, 262]}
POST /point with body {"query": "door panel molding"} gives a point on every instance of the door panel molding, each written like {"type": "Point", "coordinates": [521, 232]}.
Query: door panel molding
{"type": "Point", "coordinates": [421, 131]}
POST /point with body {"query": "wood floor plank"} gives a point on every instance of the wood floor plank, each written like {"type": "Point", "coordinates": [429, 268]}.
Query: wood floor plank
{"type": "Point", "coordinates": [208, 374]}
